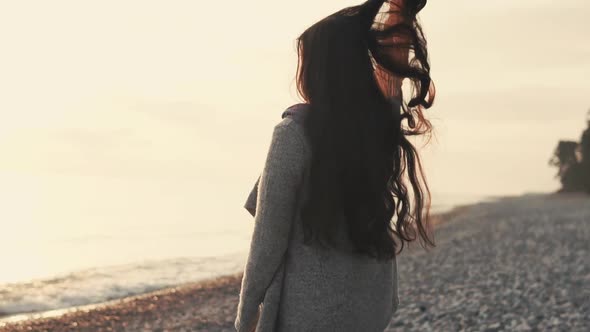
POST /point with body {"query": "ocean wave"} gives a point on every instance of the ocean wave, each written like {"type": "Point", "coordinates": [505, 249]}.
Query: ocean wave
{"type": "Point", "coordinates": [109, 283]}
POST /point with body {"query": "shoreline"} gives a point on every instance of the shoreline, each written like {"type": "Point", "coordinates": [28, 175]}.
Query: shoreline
{"type": "Point", "coordinates": [10, 320]}
{"type": "Point", "coordinates": [210, 305]}
{"type": "Point", "coordinates": [437, 219]}
{"type": "Point", "coordinates": [129, 313]}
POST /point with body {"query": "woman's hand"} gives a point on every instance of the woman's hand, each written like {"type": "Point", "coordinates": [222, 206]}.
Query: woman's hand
{"type": "Point", "coordinates": [253, 329]}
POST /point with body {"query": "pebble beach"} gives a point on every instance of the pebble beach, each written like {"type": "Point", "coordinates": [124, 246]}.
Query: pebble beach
{"type": "Point", "coordinates": [514, 264]}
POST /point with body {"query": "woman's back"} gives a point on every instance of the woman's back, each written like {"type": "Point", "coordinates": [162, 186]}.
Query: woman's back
{"type": "Point", "coordinates": [355, 292]}
{"type": "Point", "coordinates": [329, 289]}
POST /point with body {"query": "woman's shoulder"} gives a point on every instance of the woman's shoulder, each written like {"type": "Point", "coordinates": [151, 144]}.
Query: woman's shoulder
{"type": "Point", "coordinates": [291, 125]}
{"type": "Point", "coordinates": [296, 112]}
{"type": "Point", "coordinates": [292, 119]}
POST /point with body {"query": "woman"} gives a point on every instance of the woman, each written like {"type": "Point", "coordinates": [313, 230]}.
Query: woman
{"type": "Point", "coordinates": [342, 189]}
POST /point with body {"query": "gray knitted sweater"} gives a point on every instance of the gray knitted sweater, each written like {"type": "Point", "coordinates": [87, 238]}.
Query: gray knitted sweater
{"type": "Point", "coordinates": [295, 287]}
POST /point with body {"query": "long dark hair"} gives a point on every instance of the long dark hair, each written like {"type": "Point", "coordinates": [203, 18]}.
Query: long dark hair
{"type": "Point", "coordinates": [365, 173]}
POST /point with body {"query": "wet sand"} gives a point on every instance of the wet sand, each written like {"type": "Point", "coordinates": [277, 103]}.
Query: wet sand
{"type": "Point", "coordinates": [203, 306]}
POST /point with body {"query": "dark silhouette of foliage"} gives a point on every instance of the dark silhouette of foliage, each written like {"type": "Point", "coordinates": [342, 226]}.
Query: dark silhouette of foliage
{"type": "Point", "coordinates": [573, 162]}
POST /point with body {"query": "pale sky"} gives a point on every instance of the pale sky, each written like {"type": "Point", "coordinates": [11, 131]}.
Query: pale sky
{"type": "Point", "coordinates": [187, 92]}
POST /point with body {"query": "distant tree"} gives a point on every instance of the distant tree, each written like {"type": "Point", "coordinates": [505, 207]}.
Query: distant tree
{"type": "Point", "coordinates": [570, 169]}
{"type": "Point", "coordinates": [585, 151]}
{"type": "Point", "coordinates": [573, 162]}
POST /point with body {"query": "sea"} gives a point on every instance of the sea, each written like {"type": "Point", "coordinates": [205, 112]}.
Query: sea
{"type": "Point", "coordinates": [118, 250]}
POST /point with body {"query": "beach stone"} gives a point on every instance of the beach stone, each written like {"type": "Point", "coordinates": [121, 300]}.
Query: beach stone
{"type": "Point", "coordinates": [516, 264]}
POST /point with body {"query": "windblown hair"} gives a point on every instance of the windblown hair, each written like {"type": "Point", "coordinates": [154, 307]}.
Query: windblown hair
{"type": "Point", "coordinates": [365, 173]}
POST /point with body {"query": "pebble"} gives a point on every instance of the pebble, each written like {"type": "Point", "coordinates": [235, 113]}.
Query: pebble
{"type": "Point", "coordinates": [518, 264]}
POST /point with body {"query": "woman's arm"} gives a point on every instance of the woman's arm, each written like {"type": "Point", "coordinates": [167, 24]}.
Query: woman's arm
{"type": "Point", "coordinates": [275, 209]}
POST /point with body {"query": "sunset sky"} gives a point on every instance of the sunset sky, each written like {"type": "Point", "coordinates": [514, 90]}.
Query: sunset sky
{"type": "Point", "coordinates": [127, 110]}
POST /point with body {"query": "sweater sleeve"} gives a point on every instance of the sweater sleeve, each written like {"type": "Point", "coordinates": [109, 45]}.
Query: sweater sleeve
{"type": "Point", "coordinates": [275, 210]}
{"type": "Point", "coordinates": [250, 204]}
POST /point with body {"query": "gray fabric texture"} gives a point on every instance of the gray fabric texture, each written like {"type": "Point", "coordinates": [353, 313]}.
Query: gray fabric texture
{"type": "Point", "coordinates": [293, 286]}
